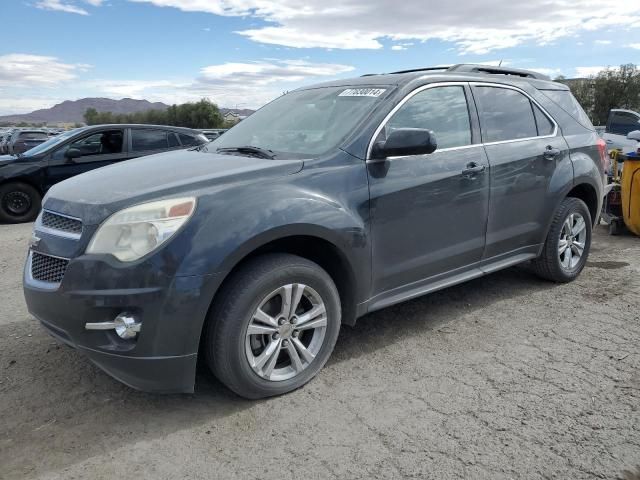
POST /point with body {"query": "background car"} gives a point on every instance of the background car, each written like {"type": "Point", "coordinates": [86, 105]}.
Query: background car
{"type": "Point", "coordinates": [25, 179]}
{"type": "Point", "coordinates": [619, 124]}
{"type": "Point", "coordinates": [4, 142]}
{"type": "Point", "coordinates": [23, 140]}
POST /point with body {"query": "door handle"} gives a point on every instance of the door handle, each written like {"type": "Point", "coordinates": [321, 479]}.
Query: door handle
{"type": "Point", "coordinates": [609, 141]}
{"type": "Point", "coordinates": [472, 169]}
{"type": "Point", "coordinates": [551, 153]}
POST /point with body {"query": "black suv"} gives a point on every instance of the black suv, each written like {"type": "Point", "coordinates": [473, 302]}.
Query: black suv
{"type": "Point", "coordinates": [26, 176]}
{"type": "Point", "coordinates": [328, 203]}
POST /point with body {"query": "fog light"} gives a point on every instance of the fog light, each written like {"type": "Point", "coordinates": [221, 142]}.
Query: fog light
{"type": "Point", "coordinates": [125, 325]}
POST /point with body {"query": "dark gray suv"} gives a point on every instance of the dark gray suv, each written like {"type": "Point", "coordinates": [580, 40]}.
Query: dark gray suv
{"type": "Point", "coordinates": [332, 201]}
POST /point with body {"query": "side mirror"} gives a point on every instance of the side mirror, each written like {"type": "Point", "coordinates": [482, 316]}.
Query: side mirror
{"type": "Point", "coordinates": [404, 142]}
{"type": "Point", "coordinates": [635, 135]}
{"type": "Point", "coordinates": [73, 153]}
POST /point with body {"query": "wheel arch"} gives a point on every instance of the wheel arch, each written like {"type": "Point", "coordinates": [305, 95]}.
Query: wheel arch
{"type": "Point", "coordinates": [26, 180]}
{"type": "Point", "coordinates": [589, 195]}
{"type": "Point", "coordinates": [317, 244]}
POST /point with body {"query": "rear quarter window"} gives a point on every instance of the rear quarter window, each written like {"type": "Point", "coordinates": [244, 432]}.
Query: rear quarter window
{"type": "Point", "coordinates": [567, 102]}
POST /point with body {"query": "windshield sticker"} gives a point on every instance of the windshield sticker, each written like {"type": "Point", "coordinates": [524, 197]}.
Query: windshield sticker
{"type": "Point", "coordinates": [363, 92]}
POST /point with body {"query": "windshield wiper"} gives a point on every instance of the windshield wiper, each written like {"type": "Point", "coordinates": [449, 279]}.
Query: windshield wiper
{"type": "Point", "coordinates": [262, 152]}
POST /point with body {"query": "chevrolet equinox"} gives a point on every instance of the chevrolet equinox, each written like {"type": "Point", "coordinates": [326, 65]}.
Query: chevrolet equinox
{"type": "Point", "coordinates": [330, 202]}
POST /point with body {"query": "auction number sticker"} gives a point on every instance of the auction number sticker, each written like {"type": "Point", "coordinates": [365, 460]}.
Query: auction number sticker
{"type": "Point", "coordinates": [362, 92]}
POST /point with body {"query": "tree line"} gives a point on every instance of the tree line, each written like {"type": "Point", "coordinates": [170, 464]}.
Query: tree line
{"type": "Point", "coordinates": [199, 115]}
{"type": "Point", "coordinates": [611, 88]}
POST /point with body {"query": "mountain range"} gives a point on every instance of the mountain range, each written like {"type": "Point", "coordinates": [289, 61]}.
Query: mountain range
{"type": "Point", "coordinates": [72, 111]}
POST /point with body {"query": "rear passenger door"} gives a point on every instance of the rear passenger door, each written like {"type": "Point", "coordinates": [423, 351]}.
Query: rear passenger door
{"type": "Point", "coordinates": [524, 148]}
{"type": "Point", "coordinates": [147, 141]}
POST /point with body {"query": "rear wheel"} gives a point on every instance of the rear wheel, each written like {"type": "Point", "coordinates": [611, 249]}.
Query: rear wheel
{"type": "Point", "coordinates": [566, 248]}
{"type": "Point", "coordinates": [273, 327]}
{"type": "Point", "coordinates": [19, 202]}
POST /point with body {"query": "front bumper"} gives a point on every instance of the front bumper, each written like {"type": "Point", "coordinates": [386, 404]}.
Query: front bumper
{"type": "Point", "coordinates": [162, 358]}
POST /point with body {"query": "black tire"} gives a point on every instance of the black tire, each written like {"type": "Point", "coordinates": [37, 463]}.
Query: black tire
{"type": "Point", "coordinates": [19, 203]}
{"type": "Point", "coordinates": [229, 318]}
{"type": "Point", "coordinates": [548, 265]}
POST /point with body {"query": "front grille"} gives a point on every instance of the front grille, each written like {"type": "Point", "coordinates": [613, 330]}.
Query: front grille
{"type": "Point", "coordinates": [47, 269]}
{"type": "Point", "coordinates": [60, 222]}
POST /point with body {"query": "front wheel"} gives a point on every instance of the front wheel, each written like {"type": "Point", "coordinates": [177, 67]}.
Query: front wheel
{"type": "Point", "coordinates": [273, 326]}
{"type": "Point", "coordinates": [19, 202]}
{"type": "Point", "coordinates": [566, 248]}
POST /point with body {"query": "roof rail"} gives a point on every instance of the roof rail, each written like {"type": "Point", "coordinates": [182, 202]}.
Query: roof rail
{"type": "Point", "coordinates": [426, 69]}
{"type": "Point", "coordinates": [491, 70]}
{"type": "Point", "coordinates": [473, 68]}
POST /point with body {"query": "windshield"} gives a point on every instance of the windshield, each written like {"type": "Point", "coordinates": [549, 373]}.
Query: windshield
{"type": "Point", "coordinates": [52, 142]}
{"type": "Point", "coordinates": [304, 123]}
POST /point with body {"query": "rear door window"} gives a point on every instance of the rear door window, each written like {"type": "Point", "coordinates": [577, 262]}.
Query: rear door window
{"type": "Point", "coordinates": [149, 139]}
{"type": "Point", "coordinates": [505, 114]}
{"type": "Point", "coordinates": [442, 110]}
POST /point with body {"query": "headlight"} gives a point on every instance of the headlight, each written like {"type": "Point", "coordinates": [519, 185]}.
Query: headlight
{"type": "Point", "coordinates": [132, 233]}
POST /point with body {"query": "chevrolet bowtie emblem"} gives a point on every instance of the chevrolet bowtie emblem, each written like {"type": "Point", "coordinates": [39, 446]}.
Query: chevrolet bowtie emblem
{"type": "Point", "coordinates": [34, 241]}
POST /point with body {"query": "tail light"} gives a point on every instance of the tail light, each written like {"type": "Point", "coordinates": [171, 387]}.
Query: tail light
{"type": "Point", "coordinates": [604, 157]}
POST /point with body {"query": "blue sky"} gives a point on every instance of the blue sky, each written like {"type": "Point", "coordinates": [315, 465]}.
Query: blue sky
{"type": "Point", "coordinates": [245, 52]}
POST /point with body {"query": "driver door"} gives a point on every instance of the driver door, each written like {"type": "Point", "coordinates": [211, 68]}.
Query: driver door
{"type": "Point", "coordinates": [98, 149]}
{"type": "Point", "coordinates": [429, 212]}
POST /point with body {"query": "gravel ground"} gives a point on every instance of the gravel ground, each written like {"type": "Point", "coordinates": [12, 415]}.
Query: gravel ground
{"type": "Point", "coordinates": [503, 377]}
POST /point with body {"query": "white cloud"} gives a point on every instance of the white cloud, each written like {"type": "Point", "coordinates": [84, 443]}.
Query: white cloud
{"type": "Point", "coordinates": [359, 24]}
{"type": "Point", "coordinates": [250, 85]}
{"type": "Point", "coordinates": [68, 6]}
{"type": "Point", "coordinates": [603, 42]}
{"type": "Point", "coordinates": [583, 72]}
{"type": "Point", "coordinates": [634, 45]}
{"type": "Point", "coordinates": [402, 46]}
{"type": "Point", "coordinates": [269, 72]}
{"type": "Point", "coordinates": [21, 70]}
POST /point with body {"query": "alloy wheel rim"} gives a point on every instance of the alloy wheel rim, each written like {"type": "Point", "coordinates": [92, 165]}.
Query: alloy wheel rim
{"type": "Point", "coordinates": [572, 242]}
{"type": "Point", "coordinates": [286, 332]}
{"type": "Point", "coordinates": [17, 203]}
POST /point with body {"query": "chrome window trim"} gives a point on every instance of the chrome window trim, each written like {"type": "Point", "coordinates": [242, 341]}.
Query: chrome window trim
{"type": "Point", "coordinates": [532, 100]}
{"type": "Point", "coordinates": [55, 232]}
{"type": "Point", "coordinates": [405, 100]}
{"type": "Point", "coordinates": [462, 84]}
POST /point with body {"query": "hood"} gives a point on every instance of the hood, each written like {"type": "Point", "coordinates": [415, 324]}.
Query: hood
{"type": "Point", "coordinates": [95, 195]}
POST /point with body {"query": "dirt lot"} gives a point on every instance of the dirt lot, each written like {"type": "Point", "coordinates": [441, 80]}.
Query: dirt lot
{"type": "Point", "coordinates": [503, 377]}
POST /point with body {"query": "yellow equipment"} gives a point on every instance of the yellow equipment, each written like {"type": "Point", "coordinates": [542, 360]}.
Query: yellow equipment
{"type": "Point", "coordinates": [629, 191]}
